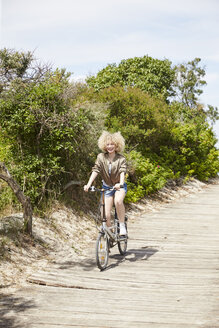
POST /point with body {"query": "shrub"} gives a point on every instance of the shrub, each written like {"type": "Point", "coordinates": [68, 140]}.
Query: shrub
{"type": "Point", "coordinates": [145, 177]}
{"type": "Point", "coordinates": [50, 134]}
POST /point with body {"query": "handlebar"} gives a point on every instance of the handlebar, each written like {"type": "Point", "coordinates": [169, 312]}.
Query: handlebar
{"type": "Point", "coordinates": [92, 188]}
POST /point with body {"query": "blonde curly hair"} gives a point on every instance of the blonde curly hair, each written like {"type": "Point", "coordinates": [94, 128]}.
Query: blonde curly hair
{"type": "Point", "coordinates": [116, 138]}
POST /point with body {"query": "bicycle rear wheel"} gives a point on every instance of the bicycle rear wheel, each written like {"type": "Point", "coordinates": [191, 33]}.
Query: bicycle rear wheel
{"type": "Point", "coordinates": [102, 251]}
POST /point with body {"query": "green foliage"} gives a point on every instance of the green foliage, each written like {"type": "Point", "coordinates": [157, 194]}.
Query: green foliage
{"type": "Point", "coordinates": [192, 151]}
{"type": "Point", "coordinates": [175, 136]}
{"type": "Point", "coordinates": [7, 197]}
{"type": "Point", "coordinates": [145, 176]}
{"type": "Point", "coordinates": [212, 113]}
{"type": "Point", "coordinates": [143, 121]}
{"type": "Point", "coordinates": [48, 133]}
{"type": "Point", "coordinates": [146, 73]}
{"type": "Point", "coordinates": [49, 126]}
{"type": "Point", "coordinates": [14, 64]}
{"type": "Point", "coordinates": [184, 114]}
{"type": "Point", "coordinates": [188, 82]}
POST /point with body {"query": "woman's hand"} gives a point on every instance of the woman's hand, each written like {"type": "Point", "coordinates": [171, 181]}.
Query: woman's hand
{"type": "Point", "coordinates": [90, 181]}
{"type": "Point", "coordinates": [86, 188]}
{"type": "Point", "coordinates": [117, 186]}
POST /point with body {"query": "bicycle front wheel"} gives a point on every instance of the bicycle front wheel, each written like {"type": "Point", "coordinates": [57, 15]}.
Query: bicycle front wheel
{"type": "Point", "coordinates": [123, 243]}
{"type": "Point", "coordinates": [122, 246]}
{"type": "Point", "coordinates": [102, 251]}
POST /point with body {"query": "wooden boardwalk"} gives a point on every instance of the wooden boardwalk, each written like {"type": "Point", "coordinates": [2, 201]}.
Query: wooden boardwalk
{"type": "Point", "coordinates": [168, 279]}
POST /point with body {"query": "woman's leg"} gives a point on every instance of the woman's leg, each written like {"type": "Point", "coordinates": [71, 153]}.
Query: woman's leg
{"type": "Point", "coordinates": [120, 208]}
{"type": "Point", "coordinates": [108, 208]}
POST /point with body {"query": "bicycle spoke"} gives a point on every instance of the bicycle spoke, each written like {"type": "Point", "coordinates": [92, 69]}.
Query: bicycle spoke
{"type": "Point", "coordinates": [102, 251]}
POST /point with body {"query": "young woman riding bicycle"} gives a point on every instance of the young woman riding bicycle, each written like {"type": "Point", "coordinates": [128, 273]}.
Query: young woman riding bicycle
{"type": "Point", "coordinates": [112, 166]}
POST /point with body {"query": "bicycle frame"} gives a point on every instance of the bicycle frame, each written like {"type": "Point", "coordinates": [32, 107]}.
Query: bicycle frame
{"type": "Point", "coordinates": [107, 237]}
{"type": "Point", "coordinates": [109, 230]}
{"type": "Point", "coordinates": [104, 228]}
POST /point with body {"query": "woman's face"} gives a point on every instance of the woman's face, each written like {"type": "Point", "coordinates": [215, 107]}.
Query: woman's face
{"type": "Point", "coordinates": [110, 147]}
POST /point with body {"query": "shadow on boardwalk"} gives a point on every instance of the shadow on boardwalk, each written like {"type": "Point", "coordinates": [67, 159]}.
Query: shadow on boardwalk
{"type": "Point", "coordinates": [132, 255]}
{"type": "Point", "coordinates": [10, 303]}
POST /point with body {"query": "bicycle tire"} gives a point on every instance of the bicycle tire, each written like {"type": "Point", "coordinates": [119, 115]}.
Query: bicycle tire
{"type": "Point", "coordinates": [102, 251]}
{"type": "Point", "coordinates": [122, 245]}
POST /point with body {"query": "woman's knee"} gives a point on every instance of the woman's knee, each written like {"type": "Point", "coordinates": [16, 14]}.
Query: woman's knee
{"type": "Point", "coordinates": [119, 202]}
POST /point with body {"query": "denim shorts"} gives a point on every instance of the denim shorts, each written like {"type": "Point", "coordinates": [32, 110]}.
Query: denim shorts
{"type": "Point", "coordinates": [110, 193]}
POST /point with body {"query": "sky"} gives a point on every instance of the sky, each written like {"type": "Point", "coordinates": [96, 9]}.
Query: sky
{"type": "Point", "coordinates": [84, 36]}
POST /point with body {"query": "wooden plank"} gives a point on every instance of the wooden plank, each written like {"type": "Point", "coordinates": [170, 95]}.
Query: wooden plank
{"type": "Point", "coordinates": [162, 301]}
{"type": "Point", "coordinates": [64, 280]}
{"type": "Point", "coordinates": [79, 303]}
{"type": "Point", "coordinates": [115, 324]}
{"type": "Point", "coordinates": [130, 319]}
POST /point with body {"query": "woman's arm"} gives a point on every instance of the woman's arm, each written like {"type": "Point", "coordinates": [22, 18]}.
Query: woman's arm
{"type": "Point", "coordinates": [91, 180]}
{"type": "Point", "coordinates": [121, 181]}
{"type": "Point", "coordinates": [122, 178]}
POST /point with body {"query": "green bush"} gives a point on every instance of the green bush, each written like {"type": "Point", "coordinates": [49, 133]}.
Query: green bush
{"type": "Point", "coordinates": [145, 177]}
{"type": "Point", "coordinates": [7, 197]}
{"type": "Point", "coordinates": [191, 151]}
{"type": "Point", "coordinates": [176, 137]}
{"type": "Point", "coordinates": [144, 121]}
{"type": "Point", "coordinates": [153, 76]}
{"type": "Point", "coordinates": [51, 135]}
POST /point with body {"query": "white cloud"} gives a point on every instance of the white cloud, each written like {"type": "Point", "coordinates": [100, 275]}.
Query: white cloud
{"type": "Point", "coordinates": [212, 77]}
{"type": "Point", "coordinates": [26, 14]}
{"type": "Point", "coordinates": [126, 26]}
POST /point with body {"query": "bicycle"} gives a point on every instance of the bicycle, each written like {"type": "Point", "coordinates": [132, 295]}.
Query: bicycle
{"type": "Point", "coordinates": [108, 237]}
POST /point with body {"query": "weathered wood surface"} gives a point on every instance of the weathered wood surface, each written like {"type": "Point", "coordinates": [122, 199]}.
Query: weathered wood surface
{"type": "Point", "coordinates": [168, 279]}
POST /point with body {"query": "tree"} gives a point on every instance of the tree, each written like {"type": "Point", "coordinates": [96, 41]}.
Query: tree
{"type": "Point", "coordinates": [20, 66]}
{"type": "Point", "coordinates": [143, 120]}
{"type": "Point", "coordinates": [25, 201]}
{"type": "Point", "coordinates": [155, 129]}
{"type": "Point", "coordinates": [49, 133]}
{"type": "Point", "coordinates": [188, 82]}
{"type": "Point", "coordinates": [150, 75]}
{"type": "Point", "coordinates": [213, 114]}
